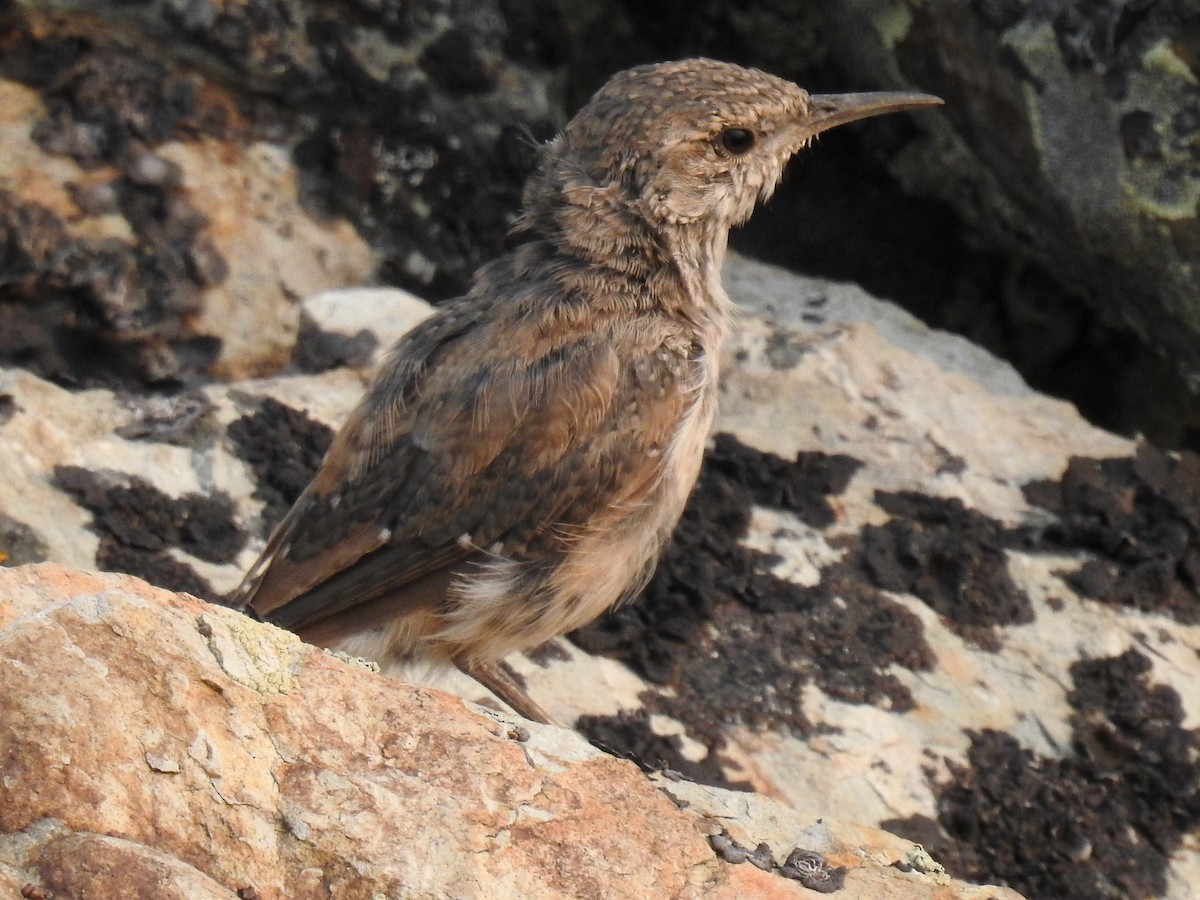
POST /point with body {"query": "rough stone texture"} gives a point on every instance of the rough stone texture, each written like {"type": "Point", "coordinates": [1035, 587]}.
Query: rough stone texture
{"type": "Point", "coordinates": [1048, 213]}
{"type": "Point", "coordinates": [852, 684]}
{"type": "Point", "coordinates": [195, 156]}
{"type": "Point", "coordinates": [909, 589]}
{"type": "Point", "coordinates": [176, 177]}
{"type": "Point", "coordinates": [902, 570]}
{"type": "Point", "coordinates": [1049, 210]}
{"type": "Point", "coordinates": [157, 746]}
{"type": "Point", "coordinates": [1072, 143]}
{"type": "Point", "coordinates": [160, 259]}
{"type": "Point", "coordinates": [149, 462]}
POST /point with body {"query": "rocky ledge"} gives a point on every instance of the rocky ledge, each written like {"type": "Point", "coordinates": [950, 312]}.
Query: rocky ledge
{"type": "Point", "coordinates": [908, 593]}
{"type": "Point", "coordinates": [157, 746]}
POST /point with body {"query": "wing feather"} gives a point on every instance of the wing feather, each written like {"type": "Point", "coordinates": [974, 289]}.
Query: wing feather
{"type": "Point", "coordinates": [449, 458]}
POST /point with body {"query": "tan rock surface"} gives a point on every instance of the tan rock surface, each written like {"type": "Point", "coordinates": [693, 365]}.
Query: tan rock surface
{"type": "Point", "coordinates": [273, 249]}
{"type": "Point", "coordinates": [815, 366]}
{"type": "Point", "coordinates": [153, 743]}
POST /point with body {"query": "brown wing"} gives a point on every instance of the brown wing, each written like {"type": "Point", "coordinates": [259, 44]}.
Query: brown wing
{"type": "Point", "coordinates": [471, 444]}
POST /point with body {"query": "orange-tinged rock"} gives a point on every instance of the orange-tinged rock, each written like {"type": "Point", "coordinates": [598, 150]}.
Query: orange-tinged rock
{"type": "Point", "coordinates": [153, 745]}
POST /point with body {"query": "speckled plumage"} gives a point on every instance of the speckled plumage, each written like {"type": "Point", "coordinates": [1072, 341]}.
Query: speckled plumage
{"type": "Point", "coordinates": [524, 454]}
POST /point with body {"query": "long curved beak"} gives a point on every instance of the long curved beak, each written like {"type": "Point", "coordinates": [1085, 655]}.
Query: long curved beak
{"type": "Point", "coordinates": [830, 110]}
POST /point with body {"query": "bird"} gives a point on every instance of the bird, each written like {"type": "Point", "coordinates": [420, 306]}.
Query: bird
{"type": "Point", "coordinates": [522, 456]}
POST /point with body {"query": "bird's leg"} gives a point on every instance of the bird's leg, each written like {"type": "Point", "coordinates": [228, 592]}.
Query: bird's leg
{"type": "Point", "coordinates": [500, 683]}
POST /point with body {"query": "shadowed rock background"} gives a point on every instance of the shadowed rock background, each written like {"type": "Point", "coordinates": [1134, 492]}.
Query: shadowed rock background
{"type": "Point", "coordinates": [1049, 212]}
{"type": "Point", "coordinates": [910, 591]}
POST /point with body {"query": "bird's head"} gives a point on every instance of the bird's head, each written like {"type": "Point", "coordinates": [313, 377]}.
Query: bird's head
{"type": "Point", "coordinates": [701, 140]}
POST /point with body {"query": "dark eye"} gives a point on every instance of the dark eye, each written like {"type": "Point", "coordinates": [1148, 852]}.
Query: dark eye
{"type": "Point", "coordinates": [736, 140]}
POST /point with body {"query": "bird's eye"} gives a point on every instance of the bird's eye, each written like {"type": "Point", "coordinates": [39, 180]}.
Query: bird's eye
{"type": "Point", "coordinates": [736, 140]}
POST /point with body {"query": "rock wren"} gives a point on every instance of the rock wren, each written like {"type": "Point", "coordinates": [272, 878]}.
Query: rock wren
{"type": "Point", "coordinates": [523, 455]}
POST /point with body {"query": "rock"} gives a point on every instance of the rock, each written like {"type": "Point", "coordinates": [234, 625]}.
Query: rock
{"type": "Point", "coordinates": [1071, 150]}
{"type": "Point", "coordinates": [402, 134]}
{"type": "Point", "coordinates": [156, 472]}
{"type": "Point", "coordinates": [879, 601]}
{"type": "Point", "coordinates": [1048, 211]}
{"type": "Point", "coordinates": [904, 580]}
{"type": "Point", "coordinates": [80, 864]}
{"type": "Point", "coordinates": [177, 176]}
{"type": "Point", "coordinates": [909, 589]}
{"type": "Point", "coordinates": [355, 326]}
{"type": "Point", "coordinates": [155, 745]}
{"type": "Point", "coordinates": [203, 300]}
{"type": "Point", "coordinates": [1097, 176]}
